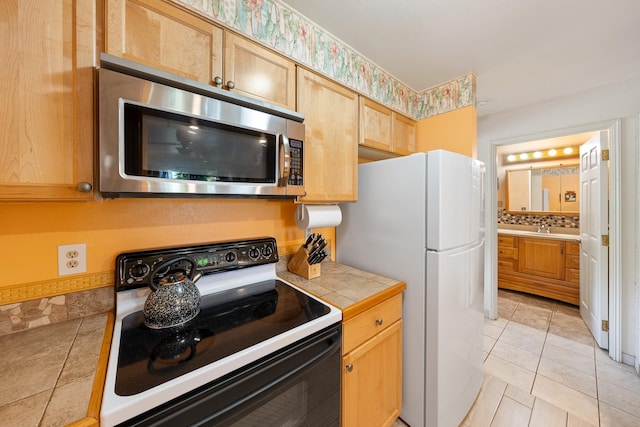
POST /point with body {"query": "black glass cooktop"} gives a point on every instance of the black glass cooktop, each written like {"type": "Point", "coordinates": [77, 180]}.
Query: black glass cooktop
{"type": "Point", "coordinates": [228, 322]}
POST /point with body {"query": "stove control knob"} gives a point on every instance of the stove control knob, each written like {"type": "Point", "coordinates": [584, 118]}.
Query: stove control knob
{"type": "Point", "coordinates": [139, 271]}
{"type": "Point", "coordinates": [254, 253]}
{"type": "Point", "coordinates": [230, 257]}
{"type": "Point", "coordinates": [267, 251]}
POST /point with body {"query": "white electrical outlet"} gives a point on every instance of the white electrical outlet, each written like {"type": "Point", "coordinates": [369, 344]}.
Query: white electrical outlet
{"type": "Point", "coordinates": [72, 259]}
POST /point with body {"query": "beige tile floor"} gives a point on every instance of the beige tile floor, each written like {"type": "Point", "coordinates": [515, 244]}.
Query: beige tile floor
{"type": "Point", "coordinates": [542, 369]}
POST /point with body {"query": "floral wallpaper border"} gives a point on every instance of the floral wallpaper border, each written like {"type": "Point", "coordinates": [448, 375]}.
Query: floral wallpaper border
{"type": "Point", "coordinates": [284, 30]}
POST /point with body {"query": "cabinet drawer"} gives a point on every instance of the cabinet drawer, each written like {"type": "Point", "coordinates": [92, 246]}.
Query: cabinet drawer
{"type": "Point", "coordinates": [507, 241]}
{"type": "Point", "coordinates": [572, 275]}
{"type": "Point", "coordinates": [367, 324]}
{"type": "Point", "coordinates": [509, 253]}
{"type": "Point", "coordinates": [573, 248]}
{"type": "Point", "coordinates": [572, 261]}
{"type": "Point", "coordinates": [507, 264]}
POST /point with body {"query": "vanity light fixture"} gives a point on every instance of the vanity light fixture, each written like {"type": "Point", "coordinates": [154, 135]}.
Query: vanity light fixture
{"type": "Point", "coordinates": [553, 153]}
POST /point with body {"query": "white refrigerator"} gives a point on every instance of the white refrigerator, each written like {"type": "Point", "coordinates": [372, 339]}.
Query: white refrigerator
{"type": "Point", "coordinates": [420, 219]}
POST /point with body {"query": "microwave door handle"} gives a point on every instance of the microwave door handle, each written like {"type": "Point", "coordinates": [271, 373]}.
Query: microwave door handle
{"type": "Point", "coordinates": [285, 160]}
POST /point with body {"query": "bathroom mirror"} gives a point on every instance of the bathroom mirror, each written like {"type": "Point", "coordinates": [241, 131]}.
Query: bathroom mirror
{"type": "Point", "coordinates": [544, 190]}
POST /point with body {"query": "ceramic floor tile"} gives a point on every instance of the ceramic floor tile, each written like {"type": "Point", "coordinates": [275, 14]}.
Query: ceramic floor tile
{"type": "Point", "coordinates": [544, 414]}
{"type": "Point", "coordinates": [619, 397]}
{"type": "Point", "coordinates": [488, 343]}
{"type": "Point", "coordinates": [482, 412]}
{"type": "Point", "coordinates": [492, 331]}
{"type": "Point", "coordinates": [26, 412]}
{"type": "Point", "coordinates": [516, 355]}
{"type": "Point", "coordinates": [614, 417]}
{"type": "Point", "coordinates": [572, 378]}
{"type": "Point", "coordinates": [571, 345]}
{"type": "Point", "coordinates": [523, 336]}
{"type": "Point", "coordinates": [570, 309]}
{"type": "Point", "coordinates": [520, 396]}
{"type": "Point", "coordinates": [618, 373]}
{"type": "Point", "coordinates": [511, 414]}
{"type": "Point", "coordinates": [569, 359]}
{"type": "Point", "coordinates": [574, 421]}
{"type": "Point", "coordinates": [511, 295]}
{"type": "Point", "coordinates": [499, 322]}
{"type": "Point", "coordinates": [577, 332]}
{"type": "Point", "coordinates": [572, 401]}
{"type": "Point", "coordinates": [529, 318]}
{"type": "Point", "coordinates": [539, 302]}
{"type": "Point", "coordinates": [509, 372]}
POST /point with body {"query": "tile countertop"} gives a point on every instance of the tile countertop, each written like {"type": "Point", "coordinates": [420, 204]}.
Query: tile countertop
{"type": "Point", "coordinates": [351, 290]}
{"type": "Point", "coordinates": [53, 375]}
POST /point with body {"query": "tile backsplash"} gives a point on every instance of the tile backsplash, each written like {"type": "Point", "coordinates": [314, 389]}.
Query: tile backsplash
{"type": "Point", "coordinates": [44, 311]}
{"type": "Point", "coordinates": [562, 221]}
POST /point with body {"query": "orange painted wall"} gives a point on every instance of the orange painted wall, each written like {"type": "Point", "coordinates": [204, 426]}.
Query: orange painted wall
{"type": "Point", "coordinates": [31, 232]}
{"type": "Point", "coordinates": [455, 131]}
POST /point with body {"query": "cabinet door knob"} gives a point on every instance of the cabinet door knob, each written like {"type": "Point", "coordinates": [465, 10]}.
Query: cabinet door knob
{"type": "Point", "coordinates": [349, 367]}
{"type": "Point", "coordinates": [84, 187]}
{"type": "Point", "coordinates": [217, 80]}
{"type": "Point", "coordinates": [231, 84]}
{"type": "Point", "coordinates": [379, 322]}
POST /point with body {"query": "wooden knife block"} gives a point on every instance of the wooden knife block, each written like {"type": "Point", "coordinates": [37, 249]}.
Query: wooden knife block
{"type": "Point", "coordinates": [298, 264]}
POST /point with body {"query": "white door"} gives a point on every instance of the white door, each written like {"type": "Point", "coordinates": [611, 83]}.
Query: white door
{"type": "Point", "coordinates": [594, 219]}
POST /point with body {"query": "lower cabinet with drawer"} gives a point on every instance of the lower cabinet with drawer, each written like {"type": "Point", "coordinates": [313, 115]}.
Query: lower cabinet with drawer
{"type": "Point", "coordinates": [372, 365]}
{"type": "Point", "coordinates": [545, 267]}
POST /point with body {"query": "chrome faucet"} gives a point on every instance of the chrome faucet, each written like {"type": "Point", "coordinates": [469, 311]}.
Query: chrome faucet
{"type": "Point", "coordinates": [543, 228]}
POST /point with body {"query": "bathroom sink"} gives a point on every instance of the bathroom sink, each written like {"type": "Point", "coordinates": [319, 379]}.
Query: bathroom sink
{"type": "Point", "coordinates": [531, 231]}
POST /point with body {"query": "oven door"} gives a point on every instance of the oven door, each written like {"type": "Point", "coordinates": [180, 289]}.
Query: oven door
{"type": "Point", "coordinates": [299, 385]}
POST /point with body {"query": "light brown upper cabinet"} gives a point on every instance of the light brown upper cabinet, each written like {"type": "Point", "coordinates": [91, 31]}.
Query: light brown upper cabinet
{"type": "Point", "coordinates": [375, 125]}
{"type": "Point", "coordinates": [259, 72]}
{"type": "Point", "coordinates": [404, 134]}
{"type": "Point", "coordinates": [385, 130]}
{"type": "Point", "coordinates": [165, 37]}
{"type": "Point", "coordinates": [331, 139]}
{"type": "Point", "coordinates": [46, 119]}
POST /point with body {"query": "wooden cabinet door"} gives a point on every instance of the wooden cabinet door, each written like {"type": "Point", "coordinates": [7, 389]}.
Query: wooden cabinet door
{"type": "Point", "coordinates": [542, 257]}
{"type": "Point", "coordinates": [375, 125]}
{"type": "Point", "coordinates": [404, 135]}
{"type": "Point", "coordinates": [259, 72]}
{"type": "Point", "coordinates": [372, 380]}
{"type": "Point", "coordinates": [331, 139]}
{"type": "Point", "coordinates": [46, 113]}
{"type": "Point", "coordinates": [163, 36]}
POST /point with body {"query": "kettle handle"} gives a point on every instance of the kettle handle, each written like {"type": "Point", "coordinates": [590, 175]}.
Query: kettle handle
{"type": "Point", "coordinates": [168, 263]}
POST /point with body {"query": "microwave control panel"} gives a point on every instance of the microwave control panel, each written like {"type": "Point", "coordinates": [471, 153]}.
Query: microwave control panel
{"type": "Point", "coordinates": [296, 169]}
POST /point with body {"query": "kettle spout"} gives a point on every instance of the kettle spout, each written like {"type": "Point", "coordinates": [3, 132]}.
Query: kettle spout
{"type": "Point", "coordinates": [197, 275]}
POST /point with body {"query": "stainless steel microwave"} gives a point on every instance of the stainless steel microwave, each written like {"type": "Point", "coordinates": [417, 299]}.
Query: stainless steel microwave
{"type": "Point", "coordinates": [162, 135]}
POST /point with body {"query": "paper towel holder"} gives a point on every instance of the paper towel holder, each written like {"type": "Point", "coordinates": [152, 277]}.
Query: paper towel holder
{"type": "Point", "coordinates": [302, 211]}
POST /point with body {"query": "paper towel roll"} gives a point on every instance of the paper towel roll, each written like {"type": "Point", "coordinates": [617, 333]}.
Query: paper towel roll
{"type": "Point", "coordinates": [318, 216]}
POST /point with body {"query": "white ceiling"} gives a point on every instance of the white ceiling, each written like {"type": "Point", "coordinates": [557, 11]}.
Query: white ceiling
{"type": "Point", "coordinates": [521, 51]}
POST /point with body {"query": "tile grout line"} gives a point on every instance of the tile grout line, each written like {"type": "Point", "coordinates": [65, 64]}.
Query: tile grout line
{"type": "Point", "coordinates": [66, 359]}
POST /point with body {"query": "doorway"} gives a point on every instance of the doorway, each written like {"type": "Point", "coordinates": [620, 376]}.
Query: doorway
{"type": "Point", "coordinates": [499, 147]}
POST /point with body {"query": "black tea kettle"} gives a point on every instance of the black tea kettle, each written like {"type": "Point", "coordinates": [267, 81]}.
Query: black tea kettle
{"type": "Point", "coordinates": [174, 297]}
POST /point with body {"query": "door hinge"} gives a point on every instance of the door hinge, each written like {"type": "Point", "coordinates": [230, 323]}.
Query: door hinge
{"type": "Point", "coordinates": [605, 326]}
{"type": "Point", "coordinates": [605, 240]}
{"type": "Point", "coordinates": [605, 155]}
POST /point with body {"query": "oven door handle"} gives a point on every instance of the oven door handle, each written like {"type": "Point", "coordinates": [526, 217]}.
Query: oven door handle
{"type": "Point", "coordinates": [285, 160]}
